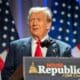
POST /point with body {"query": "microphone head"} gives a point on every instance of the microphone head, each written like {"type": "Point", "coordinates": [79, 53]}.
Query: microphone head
{"type": "Point", "coordinates": [47, 43]}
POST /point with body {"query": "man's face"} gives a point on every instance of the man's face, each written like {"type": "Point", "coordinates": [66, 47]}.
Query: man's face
{"type": "Point", "coordinates": [38, 24]}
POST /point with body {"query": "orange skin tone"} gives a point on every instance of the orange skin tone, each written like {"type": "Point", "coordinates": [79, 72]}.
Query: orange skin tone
{"type": "Point", "coordinates": [39, 25]}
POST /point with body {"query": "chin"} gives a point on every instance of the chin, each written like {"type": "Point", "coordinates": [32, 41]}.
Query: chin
{"type": "Point", "coordinates": [36, 36]}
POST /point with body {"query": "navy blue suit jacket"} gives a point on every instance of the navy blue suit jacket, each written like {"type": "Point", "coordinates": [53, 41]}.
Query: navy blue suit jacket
{"type": "Point", "coordinates": [22, 47]}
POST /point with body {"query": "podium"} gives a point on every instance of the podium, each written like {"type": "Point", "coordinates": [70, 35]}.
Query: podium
{"type": "Point", "coordinates": [49, 68]}
{"type": "Point", "coordinates": [18, 74]}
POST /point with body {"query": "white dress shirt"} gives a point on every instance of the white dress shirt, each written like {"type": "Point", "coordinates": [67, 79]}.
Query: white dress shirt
{"type": "Point", "coordinates": [34, 45]}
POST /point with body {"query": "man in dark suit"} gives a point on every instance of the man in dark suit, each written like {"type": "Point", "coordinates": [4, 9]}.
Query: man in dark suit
{"type": "Point", "coordinates": [39, 20]}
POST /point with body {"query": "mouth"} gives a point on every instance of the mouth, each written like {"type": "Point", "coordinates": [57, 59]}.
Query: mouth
{"type": "Point", "coordinates": [35, 28]}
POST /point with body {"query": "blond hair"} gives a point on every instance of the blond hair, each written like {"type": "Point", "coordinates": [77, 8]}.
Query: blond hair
{"type": "Point", "coordinates": [45, 10]}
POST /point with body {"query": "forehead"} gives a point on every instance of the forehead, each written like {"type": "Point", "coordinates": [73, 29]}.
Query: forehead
{"type": "Point", "coordinates": [38, 14]}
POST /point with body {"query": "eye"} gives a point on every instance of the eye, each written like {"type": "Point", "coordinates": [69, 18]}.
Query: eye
{"type": "Point", "coordinates": [31, 19]}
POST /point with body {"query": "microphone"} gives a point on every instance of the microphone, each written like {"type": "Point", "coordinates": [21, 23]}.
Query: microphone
{"type": "Point", "coordinates": [47, 43]}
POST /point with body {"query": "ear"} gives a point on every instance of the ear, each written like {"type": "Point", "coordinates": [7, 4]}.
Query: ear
{"type": "Point", "coordinates": [48, 25]}
{"type": "Point", "coordinates": [27, 22]}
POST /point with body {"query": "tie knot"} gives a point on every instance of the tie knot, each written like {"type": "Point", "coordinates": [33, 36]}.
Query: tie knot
{"type": "Point", "coordinates": [38, 42]}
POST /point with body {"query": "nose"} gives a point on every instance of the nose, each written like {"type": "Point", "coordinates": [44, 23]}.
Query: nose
{"type": "Point", "coordinates": [35, 22]}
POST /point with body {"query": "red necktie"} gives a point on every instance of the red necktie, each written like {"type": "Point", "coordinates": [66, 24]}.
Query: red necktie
{"type": "Point", "coordinates": [38, 52]}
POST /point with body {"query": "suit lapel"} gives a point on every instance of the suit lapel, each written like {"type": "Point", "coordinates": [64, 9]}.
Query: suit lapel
{"type": "Point", "coordinates": [27, 47]}
{"type": "Point", "coordinates": [53, 49]}
{"type": "Point", "coordinates": [50, 52]}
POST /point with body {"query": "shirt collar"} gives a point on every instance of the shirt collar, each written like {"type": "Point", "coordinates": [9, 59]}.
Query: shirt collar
{"type": "Point", "coordinates": [46, 37]}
